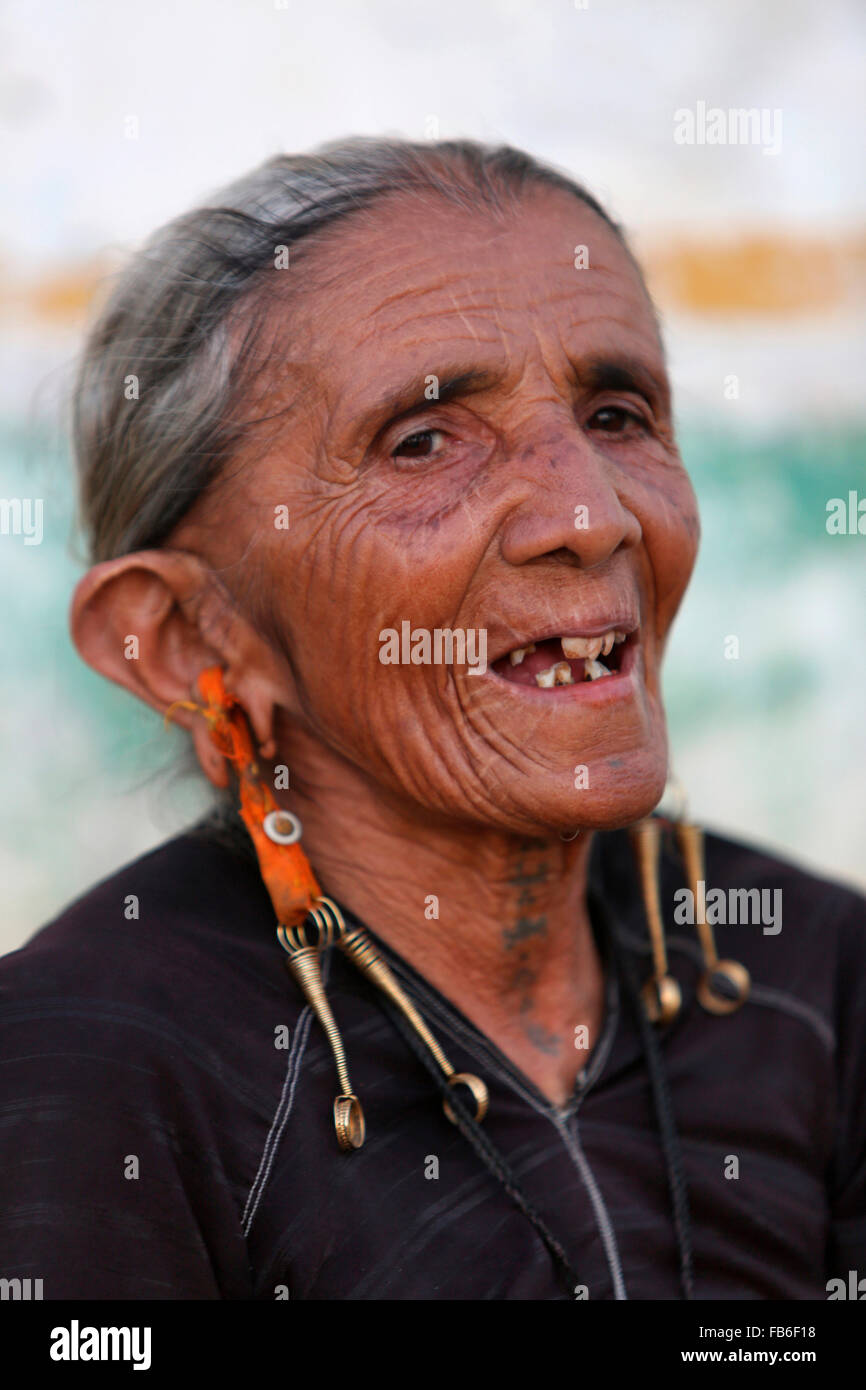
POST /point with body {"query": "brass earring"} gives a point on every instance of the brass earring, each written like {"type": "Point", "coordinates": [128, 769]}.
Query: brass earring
{"type": "Point", "coordinates": [661, 994]}
{"type": "Point", "coordinates": [729, 973]}
{"type": "Point", "coordinates": [357, 945]}
{"type": "Point", "coordinates": [302, 949]}
{"type": "Point", "coordinates": [302, 945]}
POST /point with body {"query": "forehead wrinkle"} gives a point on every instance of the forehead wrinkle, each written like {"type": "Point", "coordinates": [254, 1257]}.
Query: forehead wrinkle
{"type": "Point", "coordinates": [473, 316]}
{"type": "Point", "coordinates": [425, 277]}
{"type": "Point", "coordinates": [468, 293]}
{"type": "Point", "coordinates": [476, 337]}
{"type": "Point", "coordinates": [448, 322]}
{"type": "Point", "coordinates": [463, 296]}
{"type": "Point", "coordinates": [481, 315]}
{"type": "Point", "coordinates": [412, 290]}
{"type": "Point", "coordinates": [491, 306]}
{"type": "Point", "coordinates": [331, 272]}
{"type": "Point", "coordinates": [331, 261]}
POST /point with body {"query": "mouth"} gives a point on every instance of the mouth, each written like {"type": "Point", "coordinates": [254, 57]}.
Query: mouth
{"type": "Point", "coordinates": [552, 663]}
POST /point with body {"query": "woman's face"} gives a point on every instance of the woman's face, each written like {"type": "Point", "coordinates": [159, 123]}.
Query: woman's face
{"type": "Point", "coordinates": [540, 496]}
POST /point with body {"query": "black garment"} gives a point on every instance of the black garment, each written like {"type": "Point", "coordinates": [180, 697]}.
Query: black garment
{"type": "Point", "coordinates": [156, 1040]}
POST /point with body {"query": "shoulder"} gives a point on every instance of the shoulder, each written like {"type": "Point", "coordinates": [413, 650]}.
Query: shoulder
{"type": "Point", "coordinates": [139, 1078]}
{"type": "Point", "coordinates": [804, 904]}
{"type": "Point", "coordinates": [766, 898]}
{"type": "Point", "coordinates": [158, 954]}
{"type": "Point", "coordinates": [801, 936]}
{"type": "Point", "coordinates": [188, 890]}
{"type": "Point", "coordinates": [815, 898]}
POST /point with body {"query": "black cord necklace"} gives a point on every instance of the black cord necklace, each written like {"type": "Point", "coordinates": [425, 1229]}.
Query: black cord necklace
{"type": "Point", "coordinates": [499, 1167]}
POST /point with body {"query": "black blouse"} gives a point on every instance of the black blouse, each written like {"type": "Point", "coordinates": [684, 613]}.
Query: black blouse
{"type": "Point", "coordinates": [166, 1109]}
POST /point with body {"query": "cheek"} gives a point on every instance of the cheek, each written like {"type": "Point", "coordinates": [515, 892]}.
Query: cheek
{"type": "Point", "coordinates": [361, 567]}
{"type": "Point", "coordinates": [671, 528]}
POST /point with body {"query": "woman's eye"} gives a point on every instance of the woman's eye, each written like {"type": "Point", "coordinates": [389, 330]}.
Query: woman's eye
{"type": "Point", "coordinates": [616, 419]}
{"type": "Point", "coordinates": [421, 444]}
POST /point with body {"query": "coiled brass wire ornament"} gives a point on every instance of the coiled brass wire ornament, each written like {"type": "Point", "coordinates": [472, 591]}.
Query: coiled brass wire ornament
{"type": "Point", "coordinates": [661, 994]}
{"type": "Point", "coordinates": [356, 943]}
{"type": "Point", "coordinates": [691, 842]}
{"type": "Point", "coordinates": [325, 926]}
{"type": "Point", "coordinates": [302, 944]}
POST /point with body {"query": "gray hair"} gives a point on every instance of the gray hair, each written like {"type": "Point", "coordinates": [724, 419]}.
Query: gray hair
{"type": "Point", "coordinates": [158, 402]}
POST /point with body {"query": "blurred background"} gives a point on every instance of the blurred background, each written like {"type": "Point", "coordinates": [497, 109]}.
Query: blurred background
{"type": "Point", "coordinates": [115, 116]}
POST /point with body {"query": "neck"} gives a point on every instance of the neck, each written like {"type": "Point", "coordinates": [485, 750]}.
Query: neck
{"type": "Point", "coordinates": [496, 921]}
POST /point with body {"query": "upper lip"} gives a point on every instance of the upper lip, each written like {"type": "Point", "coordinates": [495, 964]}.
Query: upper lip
{"type": "Point", "coordinates": [626, 623]}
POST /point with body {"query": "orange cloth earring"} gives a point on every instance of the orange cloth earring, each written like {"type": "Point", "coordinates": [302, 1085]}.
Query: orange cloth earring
{"type": "Point", "coordinates": [275, 833]}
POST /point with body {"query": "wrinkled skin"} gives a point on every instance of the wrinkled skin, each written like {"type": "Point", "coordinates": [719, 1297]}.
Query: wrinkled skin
{"type": "Point", "coordinates": [418, 780]}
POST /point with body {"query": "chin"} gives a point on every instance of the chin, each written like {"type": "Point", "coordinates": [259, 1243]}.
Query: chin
{"type": "Point", "coordinates": [614, 797]}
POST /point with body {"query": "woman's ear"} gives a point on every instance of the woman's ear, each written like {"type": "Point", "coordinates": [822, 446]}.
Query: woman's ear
{"type": "Point", "coordinates": [153, 620]}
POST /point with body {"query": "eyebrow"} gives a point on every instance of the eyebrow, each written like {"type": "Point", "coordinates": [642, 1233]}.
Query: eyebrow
{"type": "Point", "coordinates": [623, 374]}
{"type": "Point", "coordinates": [410, 398]}
{"type": "Point", "coordinates": [595, 374]}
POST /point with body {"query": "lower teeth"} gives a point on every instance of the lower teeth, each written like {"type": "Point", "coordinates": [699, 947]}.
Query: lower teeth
{"type": "Point", "coordinates": [560, 674]}
{"type": "Point", "coordinates": [594, 670]}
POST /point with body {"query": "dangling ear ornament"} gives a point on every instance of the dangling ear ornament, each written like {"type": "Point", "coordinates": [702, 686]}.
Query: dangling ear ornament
{"type": "Point", "coordinates": [724, 985]}
{"type": "Point", "coordinates": [288, 877]}
{"type": "Point", "coordinates": [307, 922]}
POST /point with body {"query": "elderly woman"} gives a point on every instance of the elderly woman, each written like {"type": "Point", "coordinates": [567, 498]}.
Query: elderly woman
{"type": "Point", "coordinates": [385, 505]}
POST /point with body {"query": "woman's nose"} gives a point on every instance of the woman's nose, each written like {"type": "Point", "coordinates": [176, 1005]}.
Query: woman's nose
{"type": "Point", "coordinates": [569, 501]}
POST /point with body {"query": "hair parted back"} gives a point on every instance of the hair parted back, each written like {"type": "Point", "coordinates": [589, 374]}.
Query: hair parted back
{"type": "Point", "coordinates": [186, 314]}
